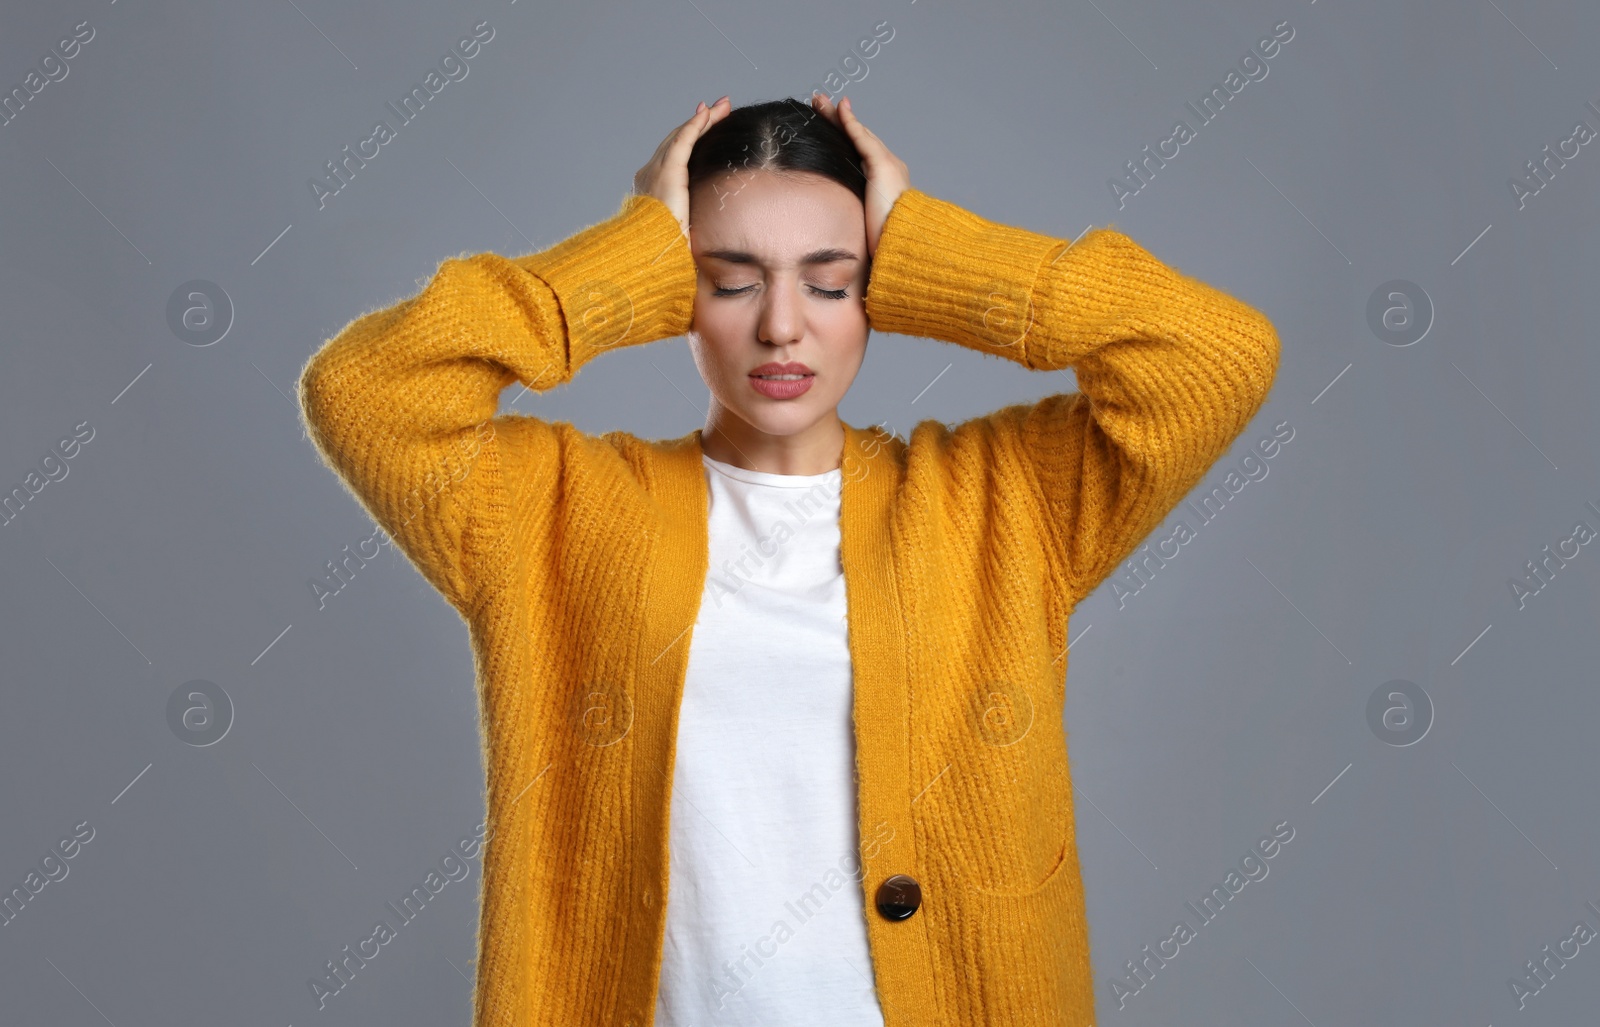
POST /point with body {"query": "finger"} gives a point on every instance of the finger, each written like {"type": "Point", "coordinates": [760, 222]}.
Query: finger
{"type": "Point", "coordinates": [682, 141]}
{"type": "Point", "coordinates": [857, 132]}
{"type": "Point", "coordinates": [719, 110]}
{"type": "Point", "coordinates": [824, 106]}
{"type": "Point", "coordinates": [847, 115]}
{"type": "Point", "coordinates": [694, 119]}
{"type": "Point", "coordinates": [665, 147]}
{"type": "Point", "coordinates": [865, 139]}
{"type": "Point", "coordinates": [829, 110]}
{"type": "Point", "coordinates": [705, 117]}
{"type": "Point", "coordinates": [847, 112]}
{"type": "Point", "coordinates": [701, 123]}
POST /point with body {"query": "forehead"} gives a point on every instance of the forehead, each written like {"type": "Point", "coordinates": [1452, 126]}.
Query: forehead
{"type": "Point", "coordinates": [775, 217]}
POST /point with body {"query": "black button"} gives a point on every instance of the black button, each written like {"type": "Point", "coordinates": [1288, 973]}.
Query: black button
{"type": "Point", "coordinates": [898, 897]}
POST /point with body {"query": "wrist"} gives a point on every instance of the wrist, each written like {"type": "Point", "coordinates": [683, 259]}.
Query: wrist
{"type": "Point", "coordinates": [942, 272]}
{"type": "Point", "coordinates": [627, 280]}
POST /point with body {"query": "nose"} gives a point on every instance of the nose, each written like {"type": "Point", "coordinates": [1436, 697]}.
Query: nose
{"type": "Point", "coordinates": [782, 318]}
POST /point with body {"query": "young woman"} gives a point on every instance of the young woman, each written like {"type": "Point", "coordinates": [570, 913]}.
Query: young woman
{"type": "Point", "coordinates": [772, 711]}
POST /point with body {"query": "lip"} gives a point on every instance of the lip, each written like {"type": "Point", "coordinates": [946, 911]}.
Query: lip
{"type": "Point", "coordinates": [782, 390]}
{"type": "Point", "coordinates": [792, 367]}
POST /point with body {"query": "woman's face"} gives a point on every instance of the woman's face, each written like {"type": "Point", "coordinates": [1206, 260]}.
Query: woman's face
{"type": "Point", "coordinates": [782, 261]}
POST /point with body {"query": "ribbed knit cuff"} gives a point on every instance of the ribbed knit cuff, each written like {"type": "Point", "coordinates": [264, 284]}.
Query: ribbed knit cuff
{"type": "Point", "coordinates": [624, 281]}
{"type": "Point", "coordinates": [942, 272]}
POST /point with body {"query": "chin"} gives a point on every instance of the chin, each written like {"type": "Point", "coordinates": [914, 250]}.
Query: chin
{"type": "Point", "coordinates": [781, 426]}
{"type": "Point", "coordinates": [789, 420]}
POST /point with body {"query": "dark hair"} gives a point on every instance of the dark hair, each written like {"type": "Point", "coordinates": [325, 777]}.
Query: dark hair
{"type": "Point", "coordinates": [777, 135]}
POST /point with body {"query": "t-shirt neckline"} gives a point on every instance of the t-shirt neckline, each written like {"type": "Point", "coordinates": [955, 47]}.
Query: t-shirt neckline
{"type": "Point", "coordinates": [787, 481]}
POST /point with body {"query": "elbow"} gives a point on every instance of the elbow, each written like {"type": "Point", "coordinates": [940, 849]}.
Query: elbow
{"type": "Point", "coordinates": [1260, 352]}
{"type": "Point", "coordinates": [308, 386]}
{"type": "Point", "coordinates": [316, 393]}
{"type": "Point", "coordinates": [1267, 337]}
{"type": "Point", "coordinates": [1248, 370]}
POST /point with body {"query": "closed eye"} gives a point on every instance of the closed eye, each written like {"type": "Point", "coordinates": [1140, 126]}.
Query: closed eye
{"type": "Point", "coordinates": [832, 294]}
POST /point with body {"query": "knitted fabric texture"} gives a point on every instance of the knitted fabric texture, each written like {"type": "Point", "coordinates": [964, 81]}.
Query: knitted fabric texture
{"type": "Point", "coordinates": [578, 561]}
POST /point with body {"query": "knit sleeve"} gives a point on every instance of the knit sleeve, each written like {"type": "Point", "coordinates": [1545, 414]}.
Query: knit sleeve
{"type": "Point", "coordinates": [401, 403]}
{"type": "Point", "coordinates": [1170, 369]}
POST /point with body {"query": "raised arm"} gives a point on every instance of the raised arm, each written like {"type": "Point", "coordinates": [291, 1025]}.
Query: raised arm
{"type": "Point", "coordinates": [402, 402]}
{"type": "Point", "coordinates": [1171, 370]}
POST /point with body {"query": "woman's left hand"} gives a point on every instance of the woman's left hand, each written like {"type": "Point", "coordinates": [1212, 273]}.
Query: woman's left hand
{"type": "Point", "coordinates": [887, 176]}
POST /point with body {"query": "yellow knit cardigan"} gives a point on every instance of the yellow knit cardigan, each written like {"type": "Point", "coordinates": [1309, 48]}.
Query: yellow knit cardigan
{"type": "Point", "coordinates": [578, 562]}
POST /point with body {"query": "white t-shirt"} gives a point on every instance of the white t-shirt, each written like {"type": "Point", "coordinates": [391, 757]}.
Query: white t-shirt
{"type": "Point", "coordinates": [765, 917]}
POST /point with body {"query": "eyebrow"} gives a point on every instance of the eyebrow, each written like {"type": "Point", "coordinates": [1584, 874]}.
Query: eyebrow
{"type": "Point", "coordinates": [823, 256]}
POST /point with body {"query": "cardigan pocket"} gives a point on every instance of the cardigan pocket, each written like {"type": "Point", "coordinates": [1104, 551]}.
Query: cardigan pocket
{"type": "Point", "coordinates": [1002, 804]}
{"type": "Point", "coordinates": [1032, 952]}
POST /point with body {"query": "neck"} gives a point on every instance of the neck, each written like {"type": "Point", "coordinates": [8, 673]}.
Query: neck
{"type": "Point", "coordinates": [816, 449]}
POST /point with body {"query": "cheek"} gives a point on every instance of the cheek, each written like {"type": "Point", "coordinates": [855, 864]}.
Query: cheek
{"type": "Point", "coordinates": [843, 324]}
{"type": "Point", "coordinates": [720, 331]}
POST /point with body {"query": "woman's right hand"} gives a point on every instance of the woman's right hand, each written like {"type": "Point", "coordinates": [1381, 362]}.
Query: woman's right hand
{"type": "Point", "coordinates": [666, 175]}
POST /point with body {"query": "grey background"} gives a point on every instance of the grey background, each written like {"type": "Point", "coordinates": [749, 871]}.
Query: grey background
{"type": "Point", "coordinates": [1220, 700]}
